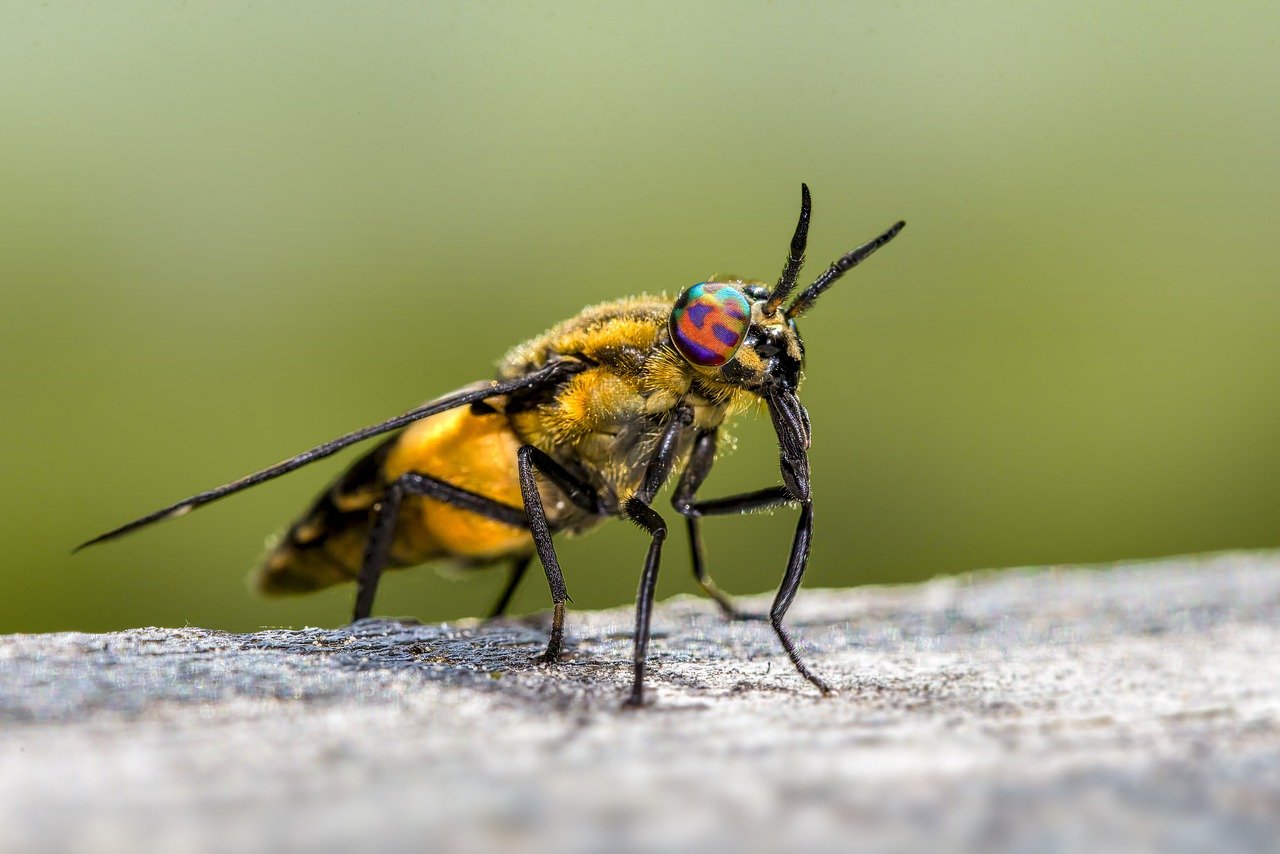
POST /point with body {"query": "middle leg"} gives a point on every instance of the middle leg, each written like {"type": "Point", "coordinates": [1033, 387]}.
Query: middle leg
{"type": "Point", "coordinates": [637, 509]}
{"type": "Point", "coordinates": [530, 458]}
{"type": "Point", "coordinates": [646, 517]}
{"type": "Point", "coordinates": [685, 502]}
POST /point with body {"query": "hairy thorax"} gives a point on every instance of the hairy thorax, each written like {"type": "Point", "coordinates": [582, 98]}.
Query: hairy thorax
{"type": "Point", "coordinates": [604, 421]}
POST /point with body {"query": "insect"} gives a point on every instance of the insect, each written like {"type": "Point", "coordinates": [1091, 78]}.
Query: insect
{"type": "Point", "coordinates": [585, 422]}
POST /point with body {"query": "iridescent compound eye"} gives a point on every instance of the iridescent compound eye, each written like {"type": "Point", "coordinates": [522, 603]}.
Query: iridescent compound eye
{"type": "Point", "coordinates": [709, 322]}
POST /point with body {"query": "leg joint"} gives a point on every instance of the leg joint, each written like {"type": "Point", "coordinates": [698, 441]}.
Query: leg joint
{"type": "Point", "coordinates": [646, 517]}
{"type": "Point", "coordinates": [684, 505]}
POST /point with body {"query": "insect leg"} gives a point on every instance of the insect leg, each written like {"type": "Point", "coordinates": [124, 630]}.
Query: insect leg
{"type": "Point", "coordinates": [376, 550]}
{"type": "Point", "coordinates": [695, 472]}
{"type": "Point", "coordinates": [637, 509]}
{"type": "Point", "coordinates": [791, 423]}
{"type": "Point", "coordinates": [795, 468]}
{"type": "Point", "coordinates": [761, 499]}
{"type": "Point", "coordinates": [693, 511]}
{"type": "Point", "coordinates": [378, 546]}
{"type": "Point", "coordinates": [646, 517]}
{"type": "Point", "coordinates": [530, 458]}
{"type": "Point", "coordinates": [518, 567]}
{"type": "Point", "coordinates": [787, 592]}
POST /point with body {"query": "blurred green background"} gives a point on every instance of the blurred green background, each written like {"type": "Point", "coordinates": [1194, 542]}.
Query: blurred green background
{"type": "Point", "coordinates": [229, 231]}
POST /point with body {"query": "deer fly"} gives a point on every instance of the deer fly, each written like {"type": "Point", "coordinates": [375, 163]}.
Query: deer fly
{"type": "Point", "coordinates": [583, 423]}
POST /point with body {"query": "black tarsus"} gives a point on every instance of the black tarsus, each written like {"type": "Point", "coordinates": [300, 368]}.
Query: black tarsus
{"type": "Point", "coordinates": [548, 374]}
{"type": "Point", "coordinates": [795, 258]}
{"type": "Point", "coordinates": [842, 265]}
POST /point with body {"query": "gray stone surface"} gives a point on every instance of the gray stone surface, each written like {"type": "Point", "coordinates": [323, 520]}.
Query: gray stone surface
{"type": "Point", "coordinates": [1131, 708]}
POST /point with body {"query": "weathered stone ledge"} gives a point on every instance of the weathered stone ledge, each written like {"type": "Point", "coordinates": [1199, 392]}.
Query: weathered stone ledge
{"type": "Point", "coordinates": [1129, 708]}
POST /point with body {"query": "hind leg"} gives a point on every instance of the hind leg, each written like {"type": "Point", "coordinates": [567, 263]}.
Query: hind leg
{"type": "Point", "coordinates": [514, 575]}
{"type": "Point", "coordinates": [385, 513]}
{"type": "Point", "coordinates": [684, 500]}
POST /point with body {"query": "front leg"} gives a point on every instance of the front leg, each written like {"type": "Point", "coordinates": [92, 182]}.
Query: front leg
{"type": "Point", "coordinates": [775, 496]}
{"type": "Point", "coordinates": [791, 423]}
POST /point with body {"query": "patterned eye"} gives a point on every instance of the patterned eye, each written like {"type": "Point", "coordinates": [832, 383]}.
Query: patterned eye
{"type": "Point", "coordinates": [709, 322]}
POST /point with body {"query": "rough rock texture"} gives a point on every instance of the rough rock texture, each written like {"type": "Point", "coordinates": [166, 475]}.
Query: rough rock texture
{"type": "Point", "coordinates": [1131, 708]}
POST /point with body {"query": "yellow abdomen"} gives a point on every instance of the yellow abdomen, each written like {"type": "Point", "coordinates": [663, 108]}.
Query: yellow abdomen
{"type": "Point", "coordinates": [476, 452]}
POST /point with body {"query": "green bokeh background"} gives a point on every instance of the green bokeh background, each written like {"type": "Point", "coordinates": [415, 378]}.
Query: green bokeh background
{"type": "Point", "coordinates": [231, 230]}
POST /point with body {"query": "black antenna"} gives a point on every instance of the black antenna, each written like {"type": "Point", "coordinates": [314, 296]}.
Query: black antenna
{"type": "Point", "coordinates": [795, 260]}
{"type": "Point", "coordinates": [844, 264]}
